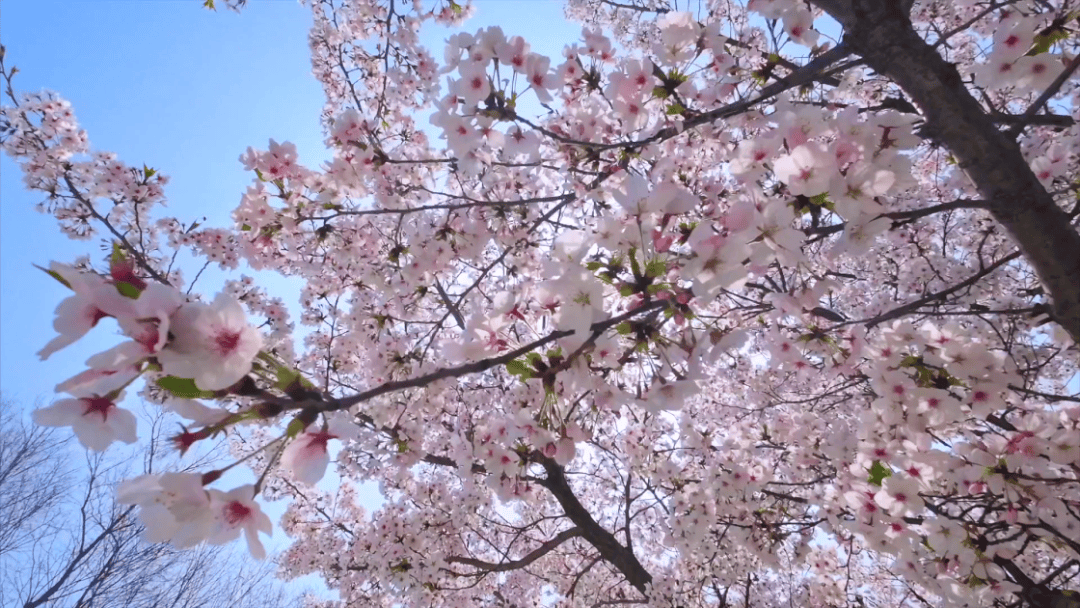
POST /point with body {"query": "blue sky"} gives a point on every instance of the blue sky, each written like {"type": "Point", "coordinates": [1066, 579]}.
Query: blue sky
{"type": "Point", "coordinates": [186, 91]}
{"type": "Point", "coordinates": [181, 89]}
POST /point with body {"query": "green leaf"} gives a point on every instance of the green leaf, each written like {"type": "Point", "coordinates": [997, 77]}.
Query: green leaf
{"type": "Point", "coordinates": [288, 377]}
{"type": "Point", "coordinates": [878, 473]}
{"type": "Point", "coordinates": [245, 228]}
{"type": "Point", "coordinates": [623, 328]}
{"type": "Point", "coordinates": [1046, 39]}
{"type": "Point", "coordinates": [54, 274]}
{"type": "Point", "coordinates": [634, 266]}
{"type": "Point", "coordinates": [147, 171]}
{"type": "Point", "coordinates": [675, 109]}
{"type": "Point", "coordinates": [118, 255]}
{"type": "Point", "coordinates": [909, 361]}
{"type": "Point", "coordinates": [593, 266]}
{"type": "Point", "coordinates": [626, 290]}
{"type": "Point", "coordinates": [184, 388]}
{"type": "Point", "coordinates": [517, 367]}
{"type": "Point", "coordinates": [676, 76]}
{"type": "Point", "coordinates": [296, 426]}
{"type": "Point", "coordinates": [128, 290]}
{"type": "Point", "coordinates": [655, 268]}
{"type": "Point", "coordinates": [403, 565]}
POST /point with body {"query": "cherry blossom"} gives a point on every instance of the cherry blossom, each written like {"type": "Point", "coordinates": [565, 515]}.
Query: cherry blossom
{"type": "Point", "coordinates": [214, 343]}
{"type": "Point", "coordinates": [174, 507]}
{"type": "Point", "coordinates": [236, 512]}
{"type": "Point", "coordinates": [96, 420]}
{"type": "Point", "coordinates": [766, 303]}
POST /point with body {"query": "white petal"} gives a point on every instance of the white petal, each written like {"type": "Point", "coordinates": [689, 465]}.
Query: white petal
{"type": "Point", "coordinates": [254, 544]}
{"type": "Point", "coordinates": [62, 413]}
{"type": "Point", "coordinates": [124, 425]}
{"type": "Point", "coordinates": [93, 433]}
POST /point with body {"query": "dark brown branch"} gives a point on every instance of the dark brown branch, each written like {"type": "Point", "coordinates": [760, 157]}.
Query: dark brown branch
{"type": "Point", "coordinates": [140, 258]}
{"type": "Point", "coordinates": [482, 365]}
{"type": "Point", "coordinates": [450, 305]}
{"type": "Point", "coordinates": [640, 9]}
{"type": "Point", "coordinates": [1049, 397]}
{"type": "Point", "coordinates": [1031, 113]}
{"type": "Point", "coordinates": [529, 558]}
{"type": "Point", "coordinates": [882, 33]}
{"type": "Point", "coordinates": [913, 306]}
{"type": "Point", "coordinates": [605, 542]}
{"type": "Point", "coordinates": [906, 215]}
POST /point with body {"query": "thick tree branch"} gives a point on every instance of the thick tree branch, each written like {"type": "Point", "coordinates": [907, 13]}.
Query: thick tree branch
{"type": "Point", "coordinates": [605, 542]}
{"type": "Point", "coordinates": [881, 32]}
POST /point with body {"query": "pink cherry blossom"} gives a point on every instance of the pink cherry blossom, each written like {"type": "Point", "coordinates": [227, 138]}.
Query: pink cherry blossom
{"type": "Point", "coordinates": [174, 507]}
{"type": "Point", "coordinates": [94, 299]}
{"type": "Point", "coordinates": [214, 344]}
{"type": "Point", "coordinates": [807, 170]}
{"type": "Point", "coordinates": [307, 455]}
{"type": "Point", "coordinates": [97, 421]}
{"type": "Point", "coordinates": [701, 306]}
{"type": "Point", "coordinates": [236, 511]}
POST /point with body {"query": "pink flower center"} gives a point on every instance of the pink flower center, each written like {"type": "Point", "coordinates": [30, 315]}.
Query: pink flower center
{"type": "Point", "coordinates": [184, 440]}
{"type": "Point", "coordinates": [226, 341]}
{"type": "Point", "coordinates": [235, 513]}
{"type": "Point", "coordinates": [98, 405]}
{"type": "Point", "coordinates": [96, 316]}
{"type": "Point", "coordinates": [317, 442]}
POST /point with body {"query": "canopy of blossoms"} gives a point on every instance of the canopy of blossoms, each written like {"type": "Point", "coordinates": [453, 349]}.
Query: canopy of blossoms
{"type": "Point", "coordinates": [714, 309]}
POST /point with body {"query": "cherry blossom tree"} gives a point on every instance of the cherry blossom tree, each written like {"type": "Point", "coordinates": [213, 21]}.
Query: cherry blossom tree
{"type": "Point", "coordinates": [66, 541]}
{"type": "Point", "coordinates": [762, 303]}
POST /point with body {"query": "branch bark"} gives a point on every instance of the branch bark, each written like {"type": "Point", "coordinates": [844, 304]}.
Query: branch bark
{"type": "Point", "coordinates": [622, 558]}
{"type": "Point", "coordinates": [529, 558]}
{"type": "Point", "coordinates": [881, 32]}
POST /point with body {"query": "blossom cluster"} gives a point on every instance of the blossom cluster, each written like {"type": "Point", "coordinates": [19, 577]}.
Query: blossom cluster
{"type": "Point", "coordinates": [680, 317]}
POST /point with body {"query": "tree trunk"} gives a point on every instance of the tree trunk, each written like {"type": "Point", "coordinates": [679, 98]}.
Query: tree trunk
{"type": "Point", "coordinates": [881, 32]}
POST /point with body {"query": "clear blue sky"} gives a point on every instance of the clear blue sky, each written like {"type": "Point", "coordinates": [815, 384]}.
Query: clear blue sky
{"type": "Point", "coordinates": [183, 90]}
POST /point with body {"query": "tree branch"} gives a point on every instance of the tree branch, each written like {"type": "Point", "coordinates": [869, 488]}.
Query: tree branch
{"type": "Point", "coordinates": [531, 557]}
{"type": "Point", "coordinates": [882, 33]}
{"type": "Point", "coordinates": [605, 542]}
